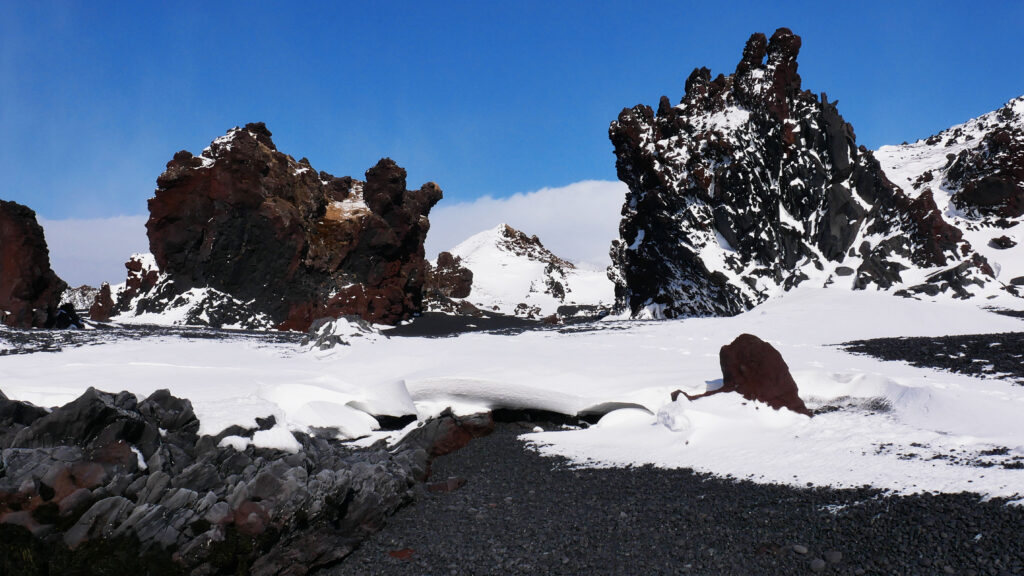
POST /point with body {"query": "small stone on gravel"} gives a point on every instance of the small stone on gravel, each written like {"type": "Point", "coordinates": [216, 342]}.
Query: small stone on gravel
{"type": "Point", "coordinates": [833, 556]}
{"type": "Point", "coordinates": [817, 565]}
{"type": "Point", "coordinates": [800, 549]}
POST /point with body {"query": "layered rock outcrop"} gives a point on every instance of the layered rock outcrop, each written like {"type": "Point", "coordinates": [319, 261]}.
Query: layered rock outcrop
{"type": "Point", "coordinates": [30, 292]}
{"type": "Point", "coordinates": [109, 481]}
{"type": "Point", "coordinates": [752, 185]}
{"type": "Point", "coordinates": [256, 230]}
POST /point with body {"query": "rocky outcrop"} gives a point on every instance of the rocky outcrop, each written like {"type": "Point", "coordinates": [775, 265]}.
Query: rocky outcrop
{"type": "Point", "coordinates": [103, 304]}
{"type": "Point", "coordinates": [752, 185]}
{"type": "Point", "coordinates": [108, 481]}
{"type": "Point", "coordinates": [249, 230]}
{"type": "Point", "coordinates": [449, 278]}
{"type": "Point", "coordinates": [30, 291]}
{"type": "Point", "coordinates": [975, 173]}
{"type": "Point", "coordinates": [756, 370]}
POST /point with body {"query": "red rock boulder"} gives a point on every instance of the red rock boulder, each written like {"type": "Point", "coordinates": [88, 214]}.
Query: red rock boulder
{"type": "Point", "coordinates": [30, 291]}
{"type": "Point", "coordinates": [103, 307]}
{"type": "Point", "coordinates": [756, 370]}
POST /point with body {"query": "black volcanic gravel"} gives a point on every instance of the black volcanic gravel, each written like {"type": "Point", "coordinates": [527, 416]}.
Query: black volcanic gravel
{"type": "Point", "coordinates": [978, 355]}
{"type": "Point", "coordinates": [520, 513]}
{"type": "Point", "coordinates": [17, 341]}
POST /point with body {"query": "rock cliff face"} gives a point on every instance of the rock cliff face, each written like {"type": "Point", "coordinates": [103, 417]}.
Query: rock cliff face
{"type": "Point", "coordinates": [751, 186]}
{"type": "Point", "coordinates": [975, 172]}
{"type": "Point", "coordinates": [275, 238]}
{"type": "Point", "coordinates": [30, 291]}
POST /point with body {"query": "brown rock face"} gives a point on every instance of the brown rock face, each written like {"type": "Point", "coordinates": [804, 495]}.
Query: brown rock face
{"type": "Point", "coordinates": [755, 369]}
{"type": "Point", "coordinates": [254, 223]}
{"type": "Point", "coordinates": [991, 176]}
{"type": "Point", "coordinates": [103, 308]}
{"type": "Point", "coordinates": [449, 279]}
{"type": "Point", "coordinates": [29, 290]}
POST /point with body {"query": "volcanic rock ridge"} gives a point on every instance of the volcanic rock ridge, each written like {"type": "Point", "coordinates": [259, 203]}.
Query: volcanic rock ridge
{"type": "Point", "coordinates": [245, 235]}
{"type": "Point", "coordinates": [751, 186]}
{"type": "Point", "coordinates": [975, 172]}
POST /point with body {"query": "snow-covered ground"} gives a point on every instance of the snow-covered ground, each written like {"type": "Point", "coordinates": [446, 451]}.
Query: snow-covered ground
{"type": "Point", "coordinates": [931, 413]}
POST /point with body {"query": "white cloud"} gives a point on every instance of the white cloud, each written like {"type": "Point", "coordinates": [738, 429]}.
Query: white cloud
{"type": "Point", "coordinates": [577, 222]}
{"type": "Point", "coordinates": [91, 251]}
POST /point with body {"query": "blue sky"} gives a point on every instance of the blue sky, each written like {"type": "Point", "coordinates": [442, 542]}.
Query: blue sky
{"type": "Point", "coordinates": [483, 98]}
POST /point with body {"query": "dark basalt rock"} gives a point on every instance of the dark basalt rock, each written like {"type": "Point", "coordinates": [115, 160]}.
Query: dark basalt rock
{"type": "Point", "coordinates": [30, 291]}
{"type": "Point", "coordinates": [108, 482]}
{"type": "Point", "coordinates": [990, 176]}
{"type": "Point", "coordinates": [1002, 242]}
{"type": "Point", "coordinates": [446, 282]}
{"type": "Point", "coordinates": [752, 184]}
{"type": "Point", "coordinates": [756, 370]}
{"type": "Point", "coordinates": [273, 237]}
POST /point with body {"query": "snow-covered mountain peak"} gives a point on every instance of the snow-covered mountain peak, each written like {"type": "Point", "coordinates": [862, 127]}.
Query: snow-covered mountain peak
{"type": "Point", "coordinates": [507, 239]}
{"type": "Point", "coordinates": [513, 273]}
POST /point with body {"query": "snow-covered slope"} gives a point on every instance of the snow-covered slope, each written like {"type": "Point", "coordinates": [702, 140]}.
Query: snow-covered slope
{"type": "Point", "coordinates": [990, 147]}
{"type": "Point", "coordinates": [514, 274]}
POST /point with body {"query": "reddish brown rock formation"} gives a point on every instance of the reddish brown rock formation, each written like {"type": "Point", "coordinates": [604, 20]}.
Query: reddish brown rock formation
{"type": "Point", "coordinates": [756, 370]}
{"type": "Point", "coordinates": [450, 278]}
{"type": "Point", "coordinates": [29, 290]}
{"type": "Point", "coordinates": [103, 308]}
{"type": "Point", "coordinates": [297, 245]}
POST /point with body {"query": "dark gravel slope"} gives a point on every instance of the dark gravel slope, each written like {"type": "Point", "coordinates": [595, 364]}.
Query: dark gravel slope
{"type": "Point", "coordinates": [520, 513]}
{"type": "Point", "coordinates": [978, 354]}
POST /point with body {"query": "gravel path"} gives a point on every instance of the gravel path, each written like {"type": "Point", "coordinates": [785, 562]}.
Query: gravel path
{"type": "Point", "coordinates": [1000, 355]}
{"type": "Point", "coordinates": [520, 513]}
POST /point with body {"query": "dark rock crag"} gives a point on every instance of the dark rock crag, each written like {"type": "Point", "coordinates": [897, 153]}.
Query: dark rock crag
{"type": "Point", "coordinates": [108, 481]}
{"type": "Point", "coordinates": [751, 185]}
{"type": "Point", "coordinates": [30, 292]}
{"type": "Point", "coordinates": [756, 370]}
{"type": "Point", "coordinates": [267, 235]}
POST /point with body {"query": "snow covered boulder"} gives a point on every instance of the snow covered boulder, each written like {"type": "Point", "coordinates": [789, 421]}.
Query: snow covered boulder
{"type": "Point", "coordinates": [756, 370]}
{"type": "Point", "coordinates": [326, 333]}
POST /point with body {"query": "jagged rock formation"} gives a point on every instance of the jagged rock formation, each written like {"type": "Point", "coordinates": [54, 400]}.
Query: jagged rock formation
{"type": "Point", "coordinates": [975, 172]}
{"type": "Point", "coordinates": [103, 304]}
{"type": "Point", "coordinates": [30, 291]}
{"type": "Point", "coordinates": [80, 298]}
{"type": "Point", "coordinates": [512, 273]}
{"type": "Point", "coordinates": [752, 185]}
{"type": "Point", "coordinates": [108, 482]}
{"type": "Point", "coordinates": [259, 233]}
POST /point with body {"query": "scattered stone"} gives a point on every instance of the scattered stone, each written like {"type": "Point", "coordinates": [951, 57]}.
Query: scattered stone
{"type": "Point", "coordinates": [1002, 242]}
{"type": "Point", "coordinates": [833, 556]}
{"type": "Point", "coordinates": [817, 565]}
{"type": "Point", "coordinates": [800, 549]}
